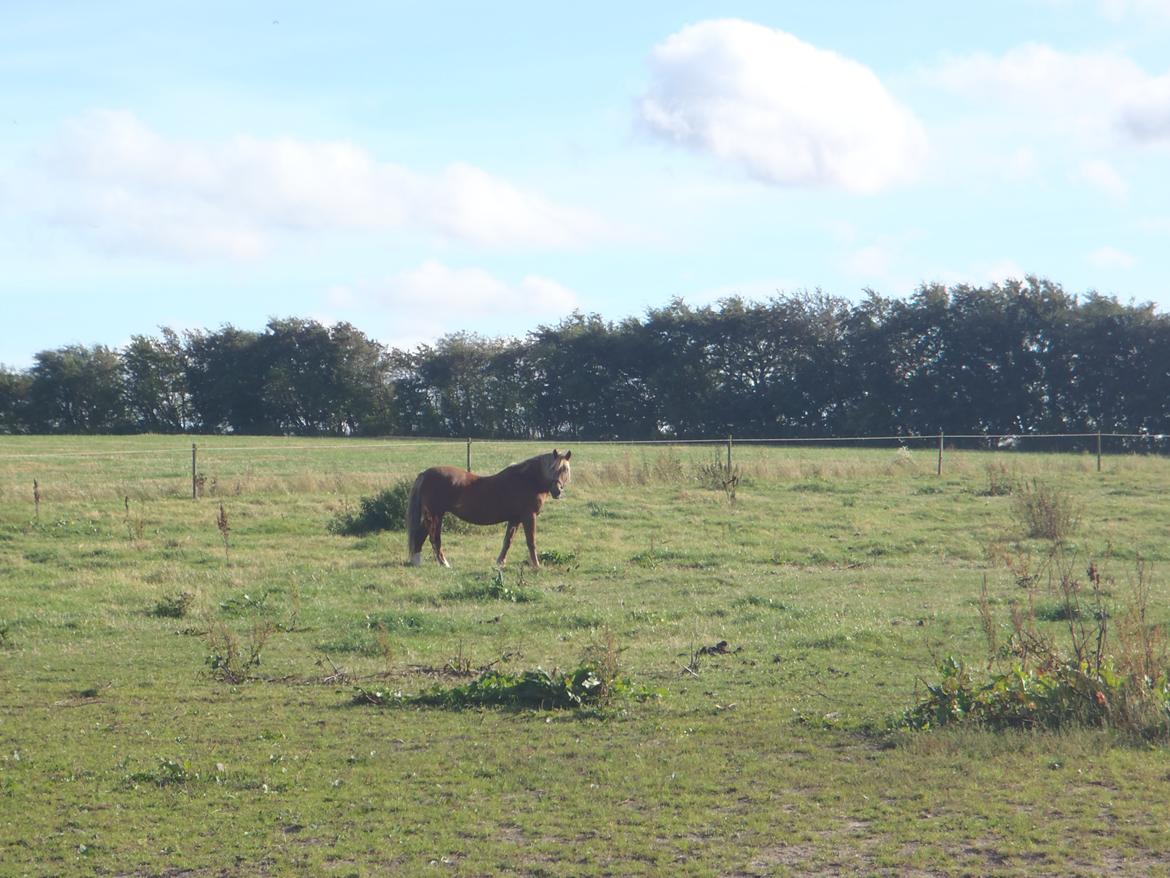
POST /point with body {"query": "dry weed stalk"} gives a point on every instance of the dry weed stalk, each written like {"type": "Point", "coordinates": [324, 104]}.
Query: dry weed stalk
{"type": "Point", "coordinates": [221, 522]}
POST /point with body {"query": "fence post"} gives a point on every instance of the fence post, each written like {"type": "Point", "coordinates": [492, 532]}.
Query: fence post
{"type": "Point", "coordinates": [194, 493]}
{"type": "Point", "coordinates": [729, 455]}
{"type": "Point", "coordinates": [940, 451]}
{"type": "Point", "coordinates": [1098, 451]}
{"type": "Point", "coordinates": [469, 454]}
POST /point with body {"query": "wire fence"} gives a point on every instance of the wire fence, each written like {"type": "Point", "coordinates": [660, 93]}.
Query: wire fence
{"type": "Point", "coordinates": [178, 466]}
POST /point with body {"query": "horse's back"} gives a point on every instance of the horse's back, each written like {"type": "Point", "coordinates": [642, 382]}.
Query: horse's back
{"type": "Point", "coordinates": [478, 499]}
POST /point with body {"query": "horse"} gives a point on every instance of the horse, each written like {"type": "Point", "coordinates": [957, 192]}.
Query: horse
{"type": "Point", "coordinates": [514, 495]}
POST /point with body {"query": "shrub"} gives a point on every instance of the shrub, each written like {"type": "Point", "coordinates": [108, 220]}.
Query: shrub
{"type": "Point", "coordinates": [386, 510]}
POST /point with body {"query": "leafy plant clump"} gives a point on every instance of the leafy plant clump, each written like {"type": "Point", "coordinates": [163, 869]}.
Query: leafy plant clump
{"type": "Point", "coordinates": [174, 606]}
{"type": "Point", "coordinates": [386, 510]}
{"type": "Point", "coordinates": [1064, 695]}
{"type": "Point", "coordinates": [496, 589]}
{"type": "Point", "coordinates": [537, 689]}
{"type": "Point", "coordinates": [1110, 674]}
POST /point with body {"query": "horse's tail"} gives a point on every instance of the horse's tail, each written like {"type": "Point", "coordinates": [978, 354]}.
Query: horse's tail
{"type": "Point", "coordinates": [414, 516]}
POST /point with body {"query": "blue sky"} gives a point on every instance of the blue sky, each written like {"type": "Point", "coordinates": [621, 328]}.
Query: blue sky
{"type": "Point", "coordinates": [418, 169]}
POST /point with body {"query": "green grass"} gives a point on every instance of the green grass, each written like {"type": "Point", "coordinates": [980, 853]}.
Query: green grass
{"type": "Point", "coordinates": [839, 576]}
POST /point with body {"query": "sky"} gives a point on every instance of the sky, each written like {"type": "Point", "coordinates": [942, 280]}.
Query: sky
{"type": "Point", "coordinates": [418, 169]}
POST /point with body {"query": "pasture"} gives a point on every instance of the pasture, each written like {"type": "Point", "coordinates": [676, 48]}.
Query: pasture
{"type": "Point", "coordinates": [838, 578]}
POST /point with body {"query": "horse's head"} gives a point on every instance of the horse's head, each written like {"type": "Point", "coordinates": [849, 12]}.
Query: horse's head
{"type": "Point", "coordinates": [556, 470]}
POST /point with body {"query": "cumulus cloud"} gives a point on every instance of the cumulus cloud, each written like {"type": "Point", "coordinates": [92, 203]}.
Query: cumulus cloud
{"type": "Point", "coordinates": [125, 186]}
{"type": "Point", "coordinates": [1103, 96]}
{"type": "Point", "coordinates": [431, 299]}
{"type": "Point", "coordinates": [786, 111]}
{"type": "Point", "coordinates": [472, 292]}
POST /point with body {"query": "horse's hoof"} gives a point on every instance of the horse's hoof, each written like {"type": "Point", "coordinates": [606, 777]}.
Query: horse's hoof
{"type": "Point", "coordinates": [416, 559]}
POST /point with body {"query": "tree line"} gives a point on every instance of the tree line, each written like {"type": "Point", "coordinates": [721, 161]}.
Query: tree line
{"type": "Point", "coordinates": [1019, 357]}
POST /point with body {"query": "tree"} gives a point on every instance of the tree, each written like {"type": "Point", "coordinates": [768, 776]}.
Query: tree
{"type": "Point", "coordinates": [14, 400]}
{"type": "Point", "coordinates": [225, 377]}
{"type": "Point", "coordinates": [77, 389]}
{"type": "Point", "coordinates": [155, 379]}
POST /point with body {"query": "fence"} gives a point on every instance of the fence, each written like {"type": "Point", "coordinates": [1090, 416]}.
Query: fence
{"type": "Point", "coordinates": [221, 464]}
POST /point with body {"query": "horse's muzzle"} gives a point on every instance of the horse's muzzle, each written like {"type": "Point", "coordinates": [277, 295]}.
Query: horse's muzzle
{"type": "Point", "coordinates": [555, 490]}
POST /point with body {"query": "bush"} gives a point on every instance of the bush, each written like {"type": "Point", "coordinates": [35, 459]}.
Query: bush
{"type": "Point", "coordinates": [386, 510]}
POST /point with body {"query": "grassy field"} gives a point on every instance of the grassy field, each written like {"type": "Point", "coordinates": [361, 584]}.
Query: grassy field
{"type": "Point", "coordinates": [838, 578]}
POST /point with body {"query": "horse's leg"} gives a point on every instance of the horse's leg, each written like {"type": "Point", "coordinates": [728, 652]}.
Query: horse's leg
{"type": "Point", "coordinates": [530, 537]}
{"type": "Point", "coordinates": [437, 539]}
{"type": "Point", "coordinates": [509, 532]}
{"type": "Point", "coordinates": [417, 540]}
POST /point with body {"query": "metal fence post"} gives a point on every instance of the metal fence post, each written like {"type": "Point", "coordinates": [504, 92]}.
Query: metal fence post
{"type": "Point", "coordinates": [940, 451]}
{"type": "Point", "coordinates": [194, 492]}
{"type": "Point", "coordinates": [1098, 451]}
{"type": "Point", "coordinates": [729, 455]}
{"type": "Point", "coordinates": [469, 454]}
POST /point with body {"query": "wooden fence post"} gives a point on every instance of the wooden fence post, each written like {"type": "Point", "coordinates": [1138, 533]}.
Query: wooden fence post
{"type": "Point", "coordinates": [940, 451]}
{"type": "Point", "coordinates": [469, 454]}
{"type": "Point", "coordinates": [194, 491]}
{"type": "Point", "coordinates": [1098, 451]}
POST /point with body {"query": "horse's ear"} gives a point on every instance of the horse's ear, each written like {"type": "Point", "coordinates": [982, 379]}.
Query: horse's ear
{"type": "Point", "coordinates": [555, 454]}
{"type": "Point", "coordinates": [568, 454]}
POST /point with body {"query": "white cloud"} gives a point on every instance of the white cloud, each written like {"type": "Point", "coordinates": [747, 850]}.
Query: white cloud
{"type": "Point", "coordinates": [1101, 96]}
{"type": "Point", "coordinates": [1101, 175]}
{"type": "Point", "coordinates": [1145, 116]}
{"type": "Point", "coordinates": [786, 111]}
{"type": "Point", "coordinates": [1111, 257]}
{"type": "Point", "coordinates": [472, 292]}
{"type": "Point", "coordinates": [427, 301]}
{"type": "Point", "coordinates": [446, 293]}
{"type": "Point", "coordinates": [120, 184]}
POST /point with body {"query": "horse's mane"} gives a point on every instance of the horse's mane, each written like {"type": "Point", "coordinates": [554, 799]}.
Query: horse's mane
{"type": "Point", "coordinates": [522, 465]}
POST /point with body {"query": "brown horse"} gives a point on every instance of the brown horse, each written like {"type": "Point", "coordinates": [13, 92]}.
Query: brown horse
{"type": "Point", "coordinates": [513, 495]}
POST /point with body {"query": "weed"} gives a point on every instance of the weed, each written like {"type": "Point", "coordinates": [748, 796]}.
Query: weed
{"type": "Point", "coordinates": [174, 606]}
{"type": "Point", "coordinates": [169, 772]}
{"type": "Point", "coordinates": [136, 526]}
{"type": "Point", "coordinates": [559, 559]}
{"type": "Point", "coordinates": [1046, 511]}
{"type": "Point", "coordinates": [221, 522]}
{"type": "Point", "coordinates": [536, 689]}
{"type": "Point", "coordinates": [245, 603]}
{"type": "Point", "coordinates": [233, 662]}
{"type": "Point", "coordinates": [1098, 679]}
{"type": "Point", "coordinates": [1001, 480]}
{"type": "Point", "coordinates": [717, 475]}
